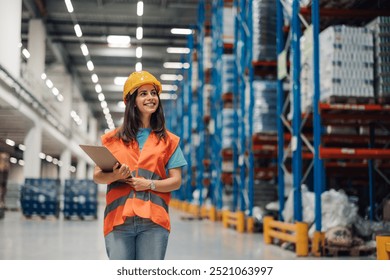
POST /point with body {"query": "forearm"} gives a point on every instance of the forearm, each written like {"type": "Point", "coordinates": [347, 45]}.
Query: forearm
{"type": "Point", "coordinates": [168, 184]}
{"type": "Point", "coordinates": [104, 177]}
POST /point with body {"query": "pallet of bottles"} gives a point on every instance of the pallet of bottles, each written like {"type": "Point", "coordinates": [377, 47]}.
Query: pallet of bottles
{"type": "Point", "coordinates": [80, 199]}
{"type": "Point", "coordinates": [40, 197]}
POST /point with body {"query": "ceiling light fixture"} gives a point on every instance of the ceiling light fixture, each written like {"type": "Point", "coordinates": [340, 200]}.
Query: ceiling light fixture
{"type": "Point", "coordinates": [168, 96]}
{"type": "Point", "coordinates": [181, 31]}
{"type": "Point", "coordinates": [176, 65]}
{"type": "Point", "coordinates": [178, 50]}
{"type": "Point", "coordinates": [84, 49]}
{"type": "Point", "coordinates": [10, 142]}
{"type": "Point", "coordinates": [77, 30]}
{"type": "Point", "coordinates": [138, 52]}
{"type": "Point", "coordinates": [55, 91]}
{"type": "Point", "coordinates": [26, 53]}
{"type": "Point", "coordinates": [49, 158]}
{"type": "Point", "coordinates": [121, 105]}
{"type": "Point", "coordinates": [101, 97]}
{"type": "Point", "coordinates": [60, 97]}
{"type": "Point", "coordinates": [139, 33]}
{"type": "Point", "coordinates": [49, 83]}
{"type": "Point", "coordinates": [172, 65]}
{"type": "Point", "coordinates": [98, 88]}
{"type": "Point", "coordinates": [94, 78]}
{"type": "Point", "coordinates": [90, 65]}
{"type": "Point", "coordinates": [69, 6]}
{"type": "Point", "coordinates": [140, 8]}
{"type": "Point", "coordinates": [103, 104]}
{"type": "Point", "coordinates": [120, 81]}
{"type": "Point", "coordinates": [138, 66]}
{"type": "Point", "coordinates": [118, 41]}
{"type": "Point", "coordinates": [171, 77]}
{"type": "Point", "coordinates": [169, 87]}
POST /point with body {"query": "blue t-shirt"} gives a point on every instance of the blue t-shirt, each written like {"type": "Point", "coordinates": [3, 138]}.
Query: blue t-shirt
{"type": "Point", "coordinates": [177, 159]}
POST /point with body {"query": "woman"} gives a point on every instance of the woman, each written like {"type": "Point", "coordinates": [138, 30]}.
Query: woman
{"type": "Point", "coordinates": [136, 219]}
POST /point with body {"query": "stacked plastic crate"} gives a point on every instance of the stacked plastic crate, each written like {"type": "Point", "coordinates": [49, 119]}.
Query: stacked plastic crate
{"type": "Point", "coordinates": [381, 29]}
{"type": "Point", "coordinates": [347, 61]}
{"type": "Point", "coordinates": [40, 197]}
{"type": "Point", "coordinates": [227, 126]}
{"type": "Point", "coordinates": [265, 142]}
{"type": "Point", "coordinates": [80, 199]}
{"type": "Point", "coordinates": [264, 113]}
{"type": "Point", "coordinates": [264, 30]}
{"type": "Point", "coordinates": [307, 90]}
{"type": "Point", "coordinates": [265, 100]}
{"type": "Point", "coordinates": [227, 112]}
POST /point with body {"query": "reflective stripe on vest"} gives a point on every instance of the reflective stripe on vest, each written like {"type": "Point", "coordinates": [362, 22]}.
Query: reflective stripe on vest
{"type": "Point", "coordinates": [145, 196]}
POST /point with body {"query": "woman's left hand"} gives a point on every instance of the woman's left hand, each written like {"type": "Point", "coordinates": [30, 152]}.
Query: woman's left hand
{"type": "Point", "coordinates": [139, 184]}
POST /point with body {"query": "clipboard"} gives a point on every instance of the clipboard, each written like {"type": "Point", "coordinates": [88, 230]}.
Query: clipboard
{"type": "Point", "coordinates": [101, 156]}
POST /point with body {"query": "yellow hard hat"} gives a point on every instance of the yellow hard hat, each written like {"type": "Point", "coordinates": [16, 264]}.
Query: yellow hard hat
{"type": "Point", "coordinates": [137, 79]}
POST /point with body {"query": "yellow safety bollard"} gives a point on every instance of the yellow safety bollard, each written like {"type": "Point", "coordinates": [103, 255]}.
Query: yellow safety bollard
{"type": "Point", "coordinates": [250, 224]}
{"type": "Point", "coordinates": [318, 244]}
{"type": "Point", "coordinates": [225, 218]}
{"type": "Point", "coordinates": [267, 229]}
{"type": "Point", "coordinates": [383, 246]}
{"type": "Point", "coordinates": [184, 206]}
{"type": "Point", "coordinates": [213, 214]}
{"type": "Point", "coordinates": [240, 216]}
{"type": "Point", "coordinates": [302, 239]}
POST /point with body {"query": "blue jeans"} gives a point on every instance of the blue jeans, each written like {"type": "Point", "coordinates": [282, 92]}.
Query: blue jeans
{"type": "Point", "coordinates": [137, 239]}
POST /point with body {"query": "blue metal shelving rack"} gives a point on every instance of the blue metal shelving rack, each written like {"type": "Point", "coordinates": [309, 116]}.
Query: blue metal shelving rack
{"type": "Point", "coordinates": [216, 103]}
{"type": "Point", "coordinates": [296, 142]}
{"type": "Point", "coordinates": [200, 150]}
{"type": "Point", "coordinates": [296, 129]}
{"type": "Point", "coordinates": [279, 109]}
{"type": "Point", "coordinates": [238, 85]}
{"type": "Point", "coordinates": [249, 142]}
{"type": "Point", "coordinates": [185, 119]}
{"type": "Point", "coordinates": [243, 164]}
{"type": "Point", "coordinates": [318, 164]}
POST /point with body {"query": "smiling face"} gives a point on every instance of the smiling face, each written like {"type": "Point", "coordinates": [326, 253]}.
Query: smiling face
{"type": "Point", "coordinates": [147, 99]}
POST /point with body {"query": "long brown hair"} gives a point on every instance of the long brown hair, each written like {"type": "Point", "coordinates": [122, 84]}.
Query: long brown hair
{"type": "Point", "coordinates": [132, 121]}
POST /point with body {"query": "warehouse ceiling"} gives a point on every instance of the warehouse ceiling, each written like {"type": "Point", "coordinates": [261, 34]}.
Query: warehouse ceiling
{"type": "Point", "coordinates": [98, 19]}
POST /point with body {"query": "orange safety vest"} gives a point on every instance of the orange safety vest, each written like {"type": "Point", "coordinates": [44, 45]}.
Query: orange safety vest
{"type": "Point", "coordinates": [121, 199]}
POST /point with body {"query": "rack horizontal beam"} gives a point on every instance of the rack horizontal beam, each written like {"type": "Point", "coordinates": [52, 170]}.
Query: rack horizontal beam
{"type": "Point", "coordinates": [346, 13]}
{"type": "Point", "coordinates": [348, 153]}
{"type": "Point", "coordinates": [362, 164]}
{"type": "Point", "coordinates": [354, 107]}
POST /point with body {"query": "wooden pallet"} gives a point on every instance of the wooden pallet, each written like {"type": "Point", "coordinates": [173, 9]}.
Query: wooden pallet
{"type": "Point", "coordinates": [335, 99]}
{"type": "Point", "coordinates": [384, 100]}
{"type": "Point", "coordinates": [41, 217]}
{"type": "Point", "coordinates": [356, 251]}
{"type": "Point", "coordinates": [80, 217]}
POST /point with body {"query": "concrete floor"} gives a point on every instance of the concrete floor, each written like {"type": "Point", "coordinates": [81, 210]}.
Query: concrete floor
{"type": "Point", "coordinates": [191, 239]}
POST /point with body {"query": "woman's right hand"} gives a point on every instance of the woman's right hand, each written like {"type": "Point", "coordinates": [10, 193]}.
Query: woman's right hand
{"type": "Point", "coordinates": [121, 171]}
